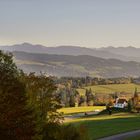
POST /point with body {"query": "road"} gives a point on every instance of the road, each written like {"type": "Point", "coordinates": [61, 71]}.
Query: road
{"type": "Point", "coordinates": [123, 136]}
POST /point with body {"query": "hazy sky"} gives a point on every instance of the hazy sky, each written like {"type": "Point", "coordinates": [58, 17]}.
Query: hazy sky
{"type": "Point", "coordinates": [89, 23]}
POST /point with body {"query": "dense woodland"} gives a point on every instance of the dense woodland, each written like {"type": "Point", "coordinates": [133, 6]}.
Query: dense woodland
{"type": "Point", "coordinates": [28, 107]}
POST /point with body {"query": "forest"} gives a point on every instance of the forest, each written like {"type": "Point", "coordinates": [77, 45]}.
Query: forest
{"type": "Point", "coordinates": [28, 106]}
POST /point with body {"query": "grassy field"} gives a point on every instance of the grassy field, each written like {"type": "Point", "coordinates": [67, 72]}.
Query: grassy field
{"type": "Point", "coordinates": [74, 110]}
{"type": "Point", "coordinates": [133, 138]}
{"type": "Point", "coordinates": [129, 88]}
{"type": "Point", "coordinates": [105, 125]}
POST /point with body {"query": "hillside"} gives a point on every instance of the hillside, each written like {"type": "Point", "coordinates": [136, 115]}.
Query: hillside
{"type": "Point", "coordinates": [112, 88]}
{"type": "Point", "coordinates": [82, 65]}
{"type": "Point", "coordinates": [125, 51]}
{"type": "Point", "coordinates": [131, 53]}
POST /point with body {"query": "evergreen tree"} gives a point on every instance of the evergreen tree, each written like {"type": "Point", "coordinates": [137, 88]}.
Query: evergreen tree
{"type": "Point", "coordinates": [82, 101]}
{"type": "Point", "coordinates": [136, 98]}
{"type": "Point", "coordinates": [72, 101]}
{"type": "Point", "coordinates": [89, 97]}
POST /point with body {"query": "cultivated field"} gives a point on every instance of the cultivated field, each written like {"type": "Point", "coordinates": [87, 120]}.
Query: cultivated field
{"type": "Point", "coordinates": [129, 88]}
{"type": "Point", "coordinates": [74, 110]}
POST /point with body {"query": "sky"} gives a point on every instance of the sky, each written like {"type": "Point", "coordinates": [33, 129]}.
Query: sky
{"type": "Point", "coordinates": [86, 23]}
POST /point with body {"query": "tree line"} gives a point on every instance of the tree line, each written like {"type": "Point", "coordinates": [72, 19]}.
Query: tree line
{"type": "Point", "coordinates": [80, 82]}
{"type": "Point", "coordinates": [70, 97]}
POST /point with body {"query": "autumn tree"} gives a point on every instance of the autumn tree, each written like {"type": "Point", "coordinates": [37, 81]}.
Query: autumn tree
{"type": "Point", "coordinates": [17, 118]}
{"type": "Point", "coordinates": [41, 92]}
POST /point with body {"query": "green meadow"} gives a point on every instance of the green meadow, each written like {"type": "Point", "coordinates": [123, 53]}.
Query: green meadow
{"type": "Point", "coordinates": [111, 88]}
{"type": "Point", "coordinates": [74, 110]}
{"type": "Point", "coordinates": [104, 125]}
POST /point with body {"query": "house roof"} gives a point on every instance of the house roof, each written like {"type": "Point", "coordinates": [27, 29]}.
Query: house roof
{"type": "Point", "coordinates": [121, 101]}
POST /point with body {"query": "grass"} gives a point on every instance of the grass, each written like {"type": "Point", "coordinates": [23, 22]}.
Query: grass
{"type": "Point", "coordinates": [114, 110]}
{"type": "Point", "coordinates": [111, 88]}
{"type": "Point", "coordinates": [133, 138]}
{"type": "Point", "coordinates": [81, 91]}
{"type": "Point", "coordinates": [105, 125]}
{"type": "Point", "coordinates": [74, 110]}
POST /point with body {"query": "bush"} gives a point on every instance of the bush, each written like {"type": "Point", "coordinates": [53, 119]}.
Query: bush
{"type": "Point", "coordinates": [114, 110]}
{"type": "Point", "coordinates": [65, 132]}
{"type": "Point", "coordinates": [71, 132]}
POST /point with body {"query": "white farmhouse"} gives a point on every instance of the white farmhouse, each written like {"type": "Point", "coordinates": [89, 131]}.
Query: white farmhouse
{"type": "Point", "coordinates": [120, 103]}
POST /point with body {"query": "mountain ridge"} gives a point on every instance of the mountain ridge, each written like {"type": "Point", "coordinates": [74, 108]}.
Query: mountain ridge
{"type": "Point", "coordinates": [76, 61]}
{"type": "Point", "coordinates": [74, 50]}
{"type": "Point", "coordinates": [76, 66]}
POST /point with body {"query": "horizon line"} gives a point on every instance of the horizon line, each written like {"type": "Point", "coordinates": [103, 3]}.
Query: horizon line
{"type": "Point", "coordinates": [66, 45]}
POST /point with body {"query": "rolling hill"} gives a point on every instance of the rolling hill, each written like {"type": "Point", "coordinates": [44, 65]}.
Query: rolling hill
{"type": "Point", "coordinates": [77, 61]}
{"type": "Point", "coordinates": [81, 65]}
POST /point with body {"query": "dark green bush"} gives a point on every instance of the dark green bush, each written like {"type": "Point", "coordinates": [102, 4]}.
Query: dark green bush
{"type": "Point", "coordinates": [65, 132]}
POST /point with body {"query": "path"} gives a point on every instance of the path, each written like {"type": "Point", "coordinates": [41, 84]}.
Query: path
{"type": "Point", "coordinates": [122, 136]}
{"type": "Point", "coordinates": [79, 115]}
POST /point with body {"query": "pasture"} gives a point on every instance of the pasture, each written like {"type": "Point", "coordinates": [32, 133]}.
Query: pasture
{"type": "Point", "coordinates": [104, 125]}
{"type": "Point", "coordinates": [74, 110]}
{"type": "Point", "coordinates": [111, 88]}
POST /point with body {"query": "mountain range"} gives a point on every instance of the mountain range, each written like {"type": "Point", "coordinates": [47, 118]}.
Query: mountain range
{"type": "Point", "coordinates": [121, 53]}
{"type": "Point", "coordinates": [77, 61]}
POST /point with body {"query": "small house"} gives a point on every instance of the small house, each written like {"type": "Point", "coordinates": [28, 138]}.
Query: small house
{"type": "Point", "coordinates": [120, 103]}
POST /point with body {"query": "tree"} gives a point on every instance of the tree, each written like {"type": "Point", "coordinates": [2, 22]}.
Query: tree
{"type": "Point", "coordinates": [28, 106]}
{"type": "Point", "coordinates": [89, 97]}
{"type": "Point", "coordinates": [70, 132]}
{"type": "Point", "coordinates": [130, 105]}
{"type": "Point", "coordinates": [82, 101]}
{"type": "Point", "coordinates": [17, 118]}
{"type": "Point", "coordinates": [72, 101]}
{"type": "Point", "coordinates": [41, 92]}
{"type": "Point", "coordinates": [135, 98]}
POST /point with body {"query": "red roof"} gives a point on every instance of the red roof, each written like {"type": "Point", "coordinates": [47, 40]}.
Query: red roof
{"type": "Point", "coordinates": [121, 101]}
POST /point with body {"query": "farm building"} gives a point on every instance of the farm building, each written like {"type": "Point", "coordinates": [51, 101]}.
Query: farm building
{"type": "Point", "coordinates": [120, 103]}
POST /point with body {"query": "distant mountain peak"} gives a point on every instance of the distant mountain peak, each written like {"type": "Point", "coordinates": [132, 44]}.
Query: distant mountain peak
{"type": "Point", "coordinates": [26, 44]}
{"type": "Point", "coordinates": [22, 44]}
